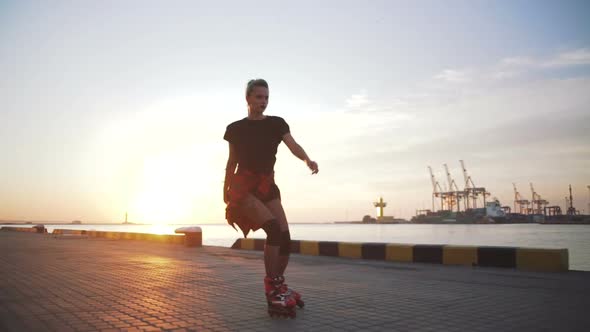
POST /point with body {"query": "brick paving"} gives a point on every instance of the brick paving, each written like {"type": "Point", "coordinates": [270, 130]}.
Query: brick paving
{"type": "Point", "coordinates": [72, 284]}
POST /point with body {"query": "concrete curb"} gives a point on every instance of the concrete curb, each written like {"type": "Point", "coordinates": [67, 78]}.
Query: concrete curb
{"type": "Point", "coordinates": [188, 238]}
{"type": "Point", "coordinates": [530, 259]}
{"type": "Point", "coordinates": [162, 238]}
{"type": "Point", "coordinates": [24, 229]}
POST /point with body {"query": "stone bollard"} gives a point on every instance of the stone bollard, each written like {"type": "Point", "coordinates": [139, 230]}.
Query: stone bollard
{"type": "Point", "coordinates": [193, 236]}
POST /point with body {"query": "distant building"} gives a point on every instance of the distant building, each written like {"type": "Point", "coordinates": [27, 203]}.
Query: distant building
{"type": "Point", "coordinates": [77, 222]}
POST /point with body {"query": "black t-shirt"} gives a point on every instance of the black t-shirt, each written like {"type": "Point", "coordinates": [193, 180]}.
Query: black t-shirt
{"type": "Point", "coordinates": [256, 142]}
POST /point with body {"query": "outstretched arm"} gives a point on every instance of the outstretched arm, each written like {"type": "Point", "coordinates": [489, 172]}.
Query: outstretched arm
{"type": "Point", "coordinates": [230, 169]}
{"type": "Point", "coordinates": [298, 152]}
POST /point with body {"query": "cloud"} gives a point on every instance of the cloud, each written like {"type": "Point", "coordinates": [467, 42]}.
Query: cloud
{"type": "Point", "coordinates": [535, 120]}
{"type": "Point", "coordinates": [518, 61]}
{"type": "Point", "coordinates": [358, 101]}
{"type": "Point", "coordinates": [453, 76]}
{"type": "Point", "coordinates": [362, 103]}
{"type": "Point", "coordinates": [515, 130]}
{"type": "Point", "coordinates": [504, 74]}
{"type": "Point", "coordinates": [572, 58]}
{"type": "Point", "coordinates": [564, 59]}
{"type": "Point", "coordinates": [518, 66]}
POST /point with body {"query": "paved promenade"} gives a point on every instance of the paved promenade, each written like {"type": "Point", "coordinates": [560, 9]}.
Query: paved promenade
{"type": "Point", "coordinates": [73, 284]}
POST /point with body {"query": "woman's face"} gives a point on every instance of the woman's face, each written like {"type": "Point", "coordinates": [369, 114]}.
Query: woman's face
{"type": "Point", "coordinates": [258, 99]}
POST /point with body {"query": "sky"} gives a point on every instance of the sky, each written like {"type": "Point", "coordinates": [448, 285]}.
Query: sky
{"type": "Point", "coordinates": [120, 106]}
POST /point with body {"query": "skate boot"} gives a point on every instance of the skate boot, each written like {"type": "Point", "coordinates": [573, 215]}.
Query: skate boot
{"type": "Point", "coordinates": [290, 292]}
{"type": "Point", "coordinates": [279, 304]}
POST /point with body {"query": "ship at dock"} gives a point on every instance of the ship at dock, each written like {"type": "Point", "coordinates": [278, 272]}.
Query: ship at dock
{"type": "Point", "coordinates": [490, 214]}
{"type": "Point", "coordinates": [539, 211]}
{"type": "Point", "coordinates": [471, 205]}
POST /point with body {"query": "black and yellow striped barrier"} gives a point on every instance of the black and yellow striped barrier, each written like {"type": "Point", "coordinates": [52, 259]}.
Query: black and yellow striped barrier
{"type": "Point", "coordinates": [532, 259]}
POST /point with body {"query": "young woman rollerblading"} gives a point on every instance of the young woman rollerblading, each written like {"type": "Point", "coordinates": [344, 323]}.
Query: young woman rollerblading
{"type": "Point", "coordinates": [252, 197]}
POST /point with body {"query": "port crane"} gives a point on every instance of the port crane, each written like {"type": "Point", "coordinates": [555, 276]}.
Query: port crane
{"type": "Point", "coordinates": [520, 202]}
{"type": "Point", "coordinates": [454, 195]}
{"type": "Point", "coordinates": [571, 211]}
{"type": "Point", "coordinates": [471, 191]}
{"type": "Point", "coordinates": [451, 196]}
{"type": "Point", "coordinates": [436, 190]}
{"type": "Point", "coordinates": [538, 204]}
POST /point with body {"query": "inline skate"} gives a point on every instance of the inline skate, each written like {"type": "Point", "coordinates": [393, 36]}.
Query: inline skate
{"type": "Point", "coordinates": [280, 302]}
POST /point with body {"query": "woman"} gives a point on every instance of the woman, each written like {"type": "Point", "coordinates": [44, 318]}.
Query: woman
{"type": "Point", "coordinates": [253, 199]}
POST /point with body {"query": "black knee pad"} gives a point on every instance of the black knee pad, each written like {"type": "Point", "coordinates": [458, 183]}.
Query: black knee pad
{"type": "Point", "coordinates": [285, 247]}
{"type": "Point", "coordinates": [273, 232]}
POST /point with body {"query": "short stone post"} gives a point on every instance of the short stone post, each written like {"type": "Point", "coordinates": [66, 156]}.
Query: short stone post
{"type": "Point", "coordinates": [193, 236]}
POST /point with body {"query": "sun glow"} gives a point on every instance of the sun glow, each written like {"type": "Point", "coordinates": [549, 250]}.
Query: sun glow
{"type": "Point", "coordinates": [162, 164]}
{"type": "Point", "coordinates": [170, 187]}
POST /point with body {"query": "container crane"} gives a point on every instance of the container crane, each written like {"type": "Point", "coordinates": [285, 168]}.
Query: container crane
{"type": "Point", "coordinates": [471, 191]}
{"type": "Point", "coordinates": [538, 203]}
{"type": "Point", "coordinates": [520, 202]}
{"type": "Point", "coordinates": [570, 207]}
{"type": "Point", "coordinates": [469, 185]}
{"type": "Point", "coordinates": [436, 190]}
{"type": "Point", "coordinates": [454, 196]}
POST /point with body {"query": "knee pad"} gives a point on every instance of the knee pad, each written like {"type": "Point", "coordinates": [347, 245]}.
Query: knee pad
{"type": "Point", "coordinates": [273, 232]}
{"type": "Point", "coordinates": [285, 247]}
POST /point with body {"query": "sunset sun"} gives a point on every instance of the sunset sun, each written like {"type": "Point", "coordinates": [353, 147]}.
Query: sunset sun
{"type": "Point", "coordinates": [169, 190]}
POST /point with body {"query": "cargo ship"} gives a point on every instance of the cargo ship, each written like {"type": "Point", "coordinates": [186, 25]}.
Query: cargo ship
{"type": "Point", "coordinates": [460, 206]}
{"type": "Point", "coordinates": [492, 213]}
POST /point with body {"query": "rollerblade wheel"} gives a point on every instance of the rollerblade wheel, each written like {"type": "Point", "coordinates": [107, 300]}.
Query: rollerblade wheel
{"type": "Point", "coordinates": [300, 303]}
{"type": "Point", "coordinates": [282, 313]}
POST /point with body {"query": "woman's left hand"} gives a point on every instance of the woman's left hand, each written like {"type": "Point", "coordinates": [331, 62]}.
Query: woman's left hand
{"type": "Point", "coordinates": [313, 166]}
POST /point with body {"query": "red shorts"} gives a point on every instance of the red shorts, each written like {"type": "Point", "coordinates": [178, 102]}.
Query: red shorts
{"type": "Point", "coordinates": [261, 186]}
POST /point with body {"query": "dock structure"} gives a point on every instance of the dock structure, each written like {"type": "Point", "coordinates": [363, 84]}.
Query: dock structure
{"type": "Point", "coordinates": [97, 283]}
{"type": "Point", "coordinates": [451, 197]}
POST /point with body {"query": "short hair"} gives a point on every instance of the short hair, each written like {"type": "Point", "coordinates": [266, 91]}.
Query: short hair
{"type": "Point", "coordinates": [253, 83]}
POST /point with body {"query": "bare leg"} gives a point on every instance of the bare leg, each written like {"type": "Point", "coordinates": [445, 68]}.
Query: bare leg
{"type": "Point", "coordinates": [257, 211]}
{"type": "Point", "coordinates": [272, 261]}
{"type": "Point", "coordinates": [281, 300]}
{"type": "Point", "coordinates": [276, 208]}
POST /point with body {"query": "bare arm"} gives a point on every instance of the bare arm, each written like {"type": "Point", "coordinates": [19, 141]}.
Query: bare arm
{"type": "Point", "coordinates": [298, 152]}
{"type": "Point", "coordinates": [230, 169]}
